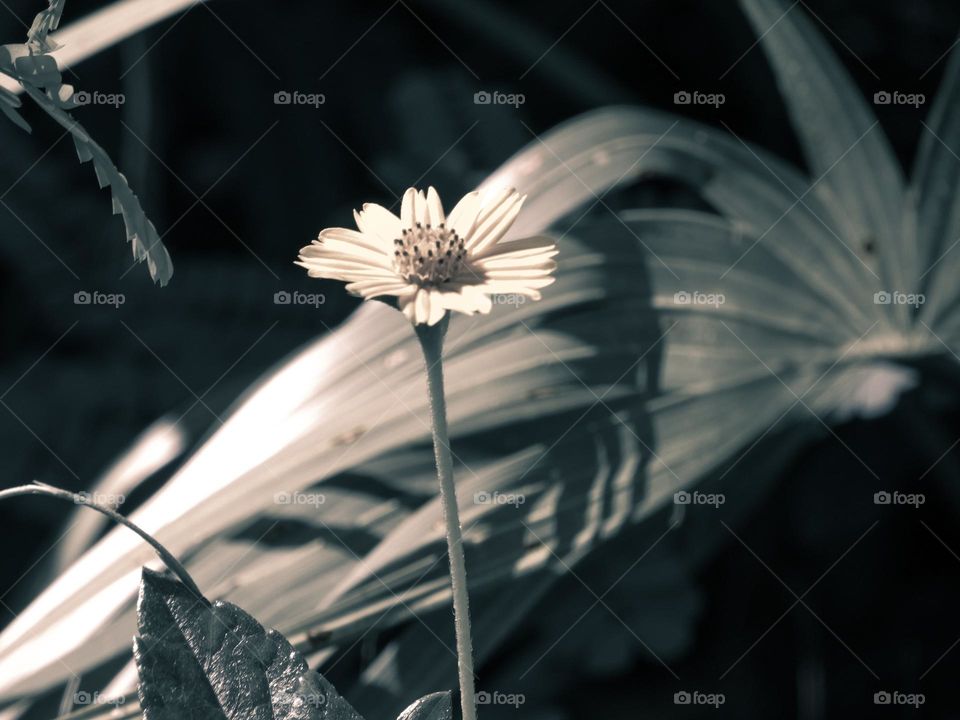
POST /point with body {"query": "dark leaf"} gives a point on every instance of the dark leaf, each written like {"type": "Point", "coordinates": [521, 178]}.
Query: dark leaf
{"type": "Point", "coordinates": [431, 707]}
{"type": "Point", "coordinates": [213, 661]}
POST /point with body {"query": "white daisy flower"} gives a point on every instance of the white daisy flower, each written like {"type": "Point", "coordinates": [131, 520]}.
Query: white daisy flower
{"type": "Point", "coordinates": [432, 262]}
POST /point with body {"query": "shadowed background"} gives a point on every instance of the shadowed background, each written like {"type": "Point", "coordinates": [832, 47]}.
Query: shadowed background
{"type": "Point", "coordinates": [237, 183]}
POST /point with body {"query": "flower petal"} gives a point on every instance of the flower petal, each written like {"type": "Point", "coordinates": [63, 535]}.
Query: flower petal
{"type": "Point", "coordinates": [437, 308]}
{"type": "Point", "coordinates": [408, 305]}
{"type": "Point", "coordinates": [377, 220]}
{"type": "Point", "coordinates": [541, 261]}
{"type": "Point", "coordinates": [524, 247]}
{"type": "Point", "coordinates": [493, 202]}
{"type": "Point", "coordinates": [493, 224]}
{"type": "Point", "coordinates": [452, 297]}
{"type": "Point", "coordinates": [434, 208]}
{"type": "Point", "coordinates": [330, 245]}
{"type": "Point", "coordinates": [422, 312]}
{"type": "Point", "coordinates": [463, 217]}
{"type": "Point", "coordinates": [340, 270]}
{"type": "Point", "coordinates": [476, 295]}
{"type": "Point", "coordinates": [420, 213]}
{"type": "Point", "coordinates": [522, 272]}
{"type": "Point", "coordinates": [343, 260]}
{"type": "Point", "coordinates": [368, 289]}
{"type": "Point", "coordinates": [526, 287]}
{"type": "Point", "coordinates": [407, 217]}
{"type": "Point", "coordinates": [350, 239]}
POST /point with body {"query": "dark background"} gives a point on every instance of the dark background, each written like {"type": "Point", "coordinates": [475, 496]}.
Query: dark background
{"type": "Point", "coordinates": [237, 184]}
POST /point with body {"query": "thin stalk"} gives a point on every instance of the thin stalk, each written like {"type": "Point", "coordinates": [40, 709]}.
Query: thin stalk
{"type": "Point", "coordinates": [431, 342]}
{"type": "Point", "coordinates": [166, 556]}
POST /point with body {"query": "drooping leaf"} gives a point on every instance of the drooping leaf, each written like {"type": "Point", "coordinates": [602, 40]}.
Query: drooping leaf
{"type": "Point", "coordinates": [213, 661]}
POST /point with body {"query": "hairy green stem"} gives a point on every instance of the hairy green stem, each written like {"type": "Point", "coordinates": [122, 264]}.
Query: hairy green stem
{"type": "Point", "coordinates": [431, 341]}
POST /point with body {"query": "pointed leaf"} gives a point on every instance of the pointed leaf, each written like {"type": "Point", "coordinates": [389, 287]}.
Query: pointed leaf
{"type": "Point", "coordinates": [198, 659]}
{"type": "Point", "coordinates": [936, 177]}
{"type": "Point", "coordinates": [432, 707]}
{"type": "Point", "coordinates": [846, 149]}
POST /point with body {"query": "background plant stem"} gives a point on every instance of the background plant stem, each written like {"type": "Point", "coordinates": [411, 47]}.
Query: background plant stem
{"type": "Point", "coordinates": [165, 555]}
{"type": "Point", "coordinates": [431, 341]}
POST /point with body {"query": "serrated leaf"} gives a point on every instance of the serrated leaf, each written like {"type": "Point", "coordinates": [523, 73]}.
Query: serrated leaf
{"type": "Point", "coordinates": [9, 106]}
{"type": "Point", "coordinates": [142, 235]}
{"type": "Point", "coordinates": [213, 661]}
{"type": "Point", "coordinates": [39, 76]}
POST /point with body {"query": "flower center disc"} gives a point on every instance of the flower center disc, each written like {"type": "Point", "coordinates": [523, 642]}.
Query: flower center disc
{"type": "Point", "coordinates": [428, 255]}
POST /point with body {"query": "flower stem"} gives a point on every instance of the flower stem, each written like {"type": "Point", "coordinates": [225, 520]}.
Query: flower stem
{"type": "Point", "coordinates": [431, 342]}
{"type": "Point", "coordinates": [38, 488]}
